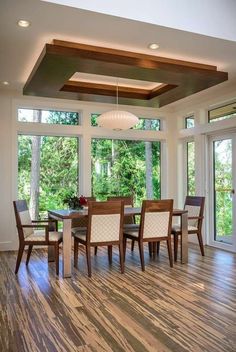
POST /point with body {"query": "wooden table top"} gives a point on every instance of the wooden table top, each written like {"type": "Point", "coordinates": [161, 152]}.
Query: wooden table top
{"type": "Point", "coordinates": [73, 214]}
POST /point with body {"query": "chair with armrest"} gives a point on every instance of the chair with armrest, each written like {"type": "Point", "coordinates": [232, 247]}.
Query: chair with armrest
{"type": "Point", "coordinates": [105, 228]}
{"type": "Point", "coordinates": [80, 224]}
{"type": "Point", "coordinates": [195, 207]}
{"type": "Point", "coordinates": [155, 226]}
{"type": "Point", "coordinates": [35, 233]}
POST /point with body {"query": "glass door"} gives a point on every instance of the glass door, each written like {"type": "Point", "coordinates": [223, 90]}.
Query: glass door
{"type": "Point", "coordinates": [222, 209]}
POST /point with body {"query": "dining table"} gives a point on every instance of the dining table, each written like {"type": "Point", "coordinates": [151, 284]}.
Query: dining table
{"type": "Point", "coordinates": [66, 216]}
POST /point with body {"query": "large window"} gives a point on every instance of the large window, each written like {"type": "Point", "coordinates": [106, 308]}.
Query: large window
{"type": "Point", "coordinates": [191, 168]}
{"type": "Point", "coordinates": [123, 167]}
{"type": "Point", "coordinates": [47, 171]}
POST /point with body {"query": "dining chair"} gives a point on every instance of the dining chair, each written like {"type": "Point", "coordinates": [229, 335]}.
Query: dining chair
{"type": "Point", "coordinates": [155, 226]}
{"type": "Point", "coordinates": [35, 233]}
{"type": "Point", "coordinates": [129, 221]}
{"type": "Point", "coordinates": [80, 224]}
{"type": "Point", "coordinates": [105, 228]}
{"type": "Point", "coordinates": [195, 207]}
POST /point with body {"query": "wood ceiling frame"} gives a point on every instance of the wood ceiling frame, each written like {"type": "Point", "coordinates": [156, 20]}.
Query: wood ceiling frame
{"type": "Point", "coordinates": [60, 60]}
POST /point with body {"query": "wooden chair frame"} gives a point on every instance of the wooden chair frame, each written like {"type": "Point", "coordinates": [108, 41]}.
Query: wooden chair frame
{"type": "Point", "coordinates": [19, 206]}
{"type": "Point", "coordinates": [101, 208]}
{"type": "Point", "coordinates": [192, 201]}
{"type": "Point", "coordinates": [152, 206]}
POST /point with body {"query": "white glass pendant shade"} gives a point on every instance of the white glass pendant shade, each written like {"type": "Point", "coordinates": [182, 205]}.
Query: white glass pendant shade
{"type": "Point", "coordinates": [117, 120]}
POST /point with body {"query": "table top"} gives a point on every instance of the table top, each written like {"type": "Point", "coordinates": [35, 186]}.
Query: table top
{"type": "Point", "coordinates": [73, 214]}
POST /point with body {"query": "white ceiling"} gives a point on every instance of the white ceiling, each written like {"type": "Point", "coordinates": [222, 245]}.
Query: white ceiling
{"type": "Point", "coordinates": [20, 47]}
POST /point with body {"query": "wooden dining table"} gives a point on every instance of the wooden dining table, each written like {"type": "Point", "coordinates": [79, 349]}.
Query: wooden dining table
{"type": "Point", "coordinates": [67, 215]}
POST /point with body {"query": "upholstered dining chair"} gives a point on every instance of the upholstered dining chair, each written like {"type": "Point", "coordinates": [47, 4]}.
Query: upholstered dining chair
{"type": "Point", "coordinates": [35, 233]}
{"type": "Point", "coordinates": [105, 228]}
{"type": "Point", "coordinates": [129, 221]}
{"type": "Point", "coordinates": [195, 207]}
{"type": "Point", "coordinates": [155, 226]}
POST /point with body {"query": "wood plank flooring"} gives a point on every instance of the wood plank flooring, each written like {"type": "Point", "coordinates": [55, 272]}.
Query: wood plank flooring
{"type": "Point", "coordinates": [188, 308]}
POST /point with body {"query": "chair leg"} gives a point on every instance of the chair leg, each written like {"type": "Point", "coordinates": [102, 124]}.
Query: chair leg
{"type": "Point", "coordinates": [95, 250]}
{"type": "Point", "coordinates": [140, 246]}
{"type": "Point", "coordinates": [158, 247]}
{"type": "Point", "coordinates": [57, 258]}
{"type": "Point", "coordinates": [76, 252]}
{"type": "Point", "coordinates": [124, 246]}
{"type": "Point", "coordinates": [121, 249]}
{"type": "Point", "coordinates": [170, 252]}
{"type": "Point", "coordinates": [132, 245]}
{"type": "Point", "coordinates": [150, 248]}
{"type": "Point", "coordinates": [29, 253]}
{"type": "Point", "coordinates": [176, 240]}
{"type": "Point", "coordinates": [199, 236]}
{"type": "Point", "coordinates": [154, 249]}
{"type": "Point", "coordinates": [109, 248]}
{"type": "Point", "coordinates": [19, 256]}
{"type": "Point", "coordinates": [88, 256]}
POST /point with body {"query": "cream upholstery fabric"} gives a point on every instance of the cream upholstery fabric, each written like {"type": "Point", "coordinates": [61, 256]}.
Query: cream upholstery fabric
{"type": "Point", "coordinates": [176, 228]}
{"type": "Point", "coordinates": [193, 211]}
{"type": "Point", "coordinates": [132, 233]}
{"type": "Point", "coordinates": [156, 224]}
{"type": "Point", "coordinates": [105, 228]}
{"type": "Point", "coordinates": [26, 220]}
{"type": "Point", "coordinates": [39, 235]}
{"type": "Point", "coordinates": [74, 230]}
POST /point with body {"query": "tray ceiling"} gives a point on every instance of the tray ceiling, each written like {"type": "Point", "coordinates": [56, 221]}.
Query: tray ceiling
{"type": "Point", "coordinates": [84, 72]}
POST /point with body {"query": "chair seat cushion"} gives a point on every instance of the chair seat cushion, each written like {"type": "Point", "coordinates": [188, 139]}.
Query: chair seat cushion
{"type": "Point", "coordinates": [78, 229]}
{"type": "Point", "coordinates": [39, 235]}
{"type": "Point", "coordinates": [81, 235]}
{"type": "Point", "coordinates": [132, 227]}
{"type": "Point", "coordinates": [176, 228]}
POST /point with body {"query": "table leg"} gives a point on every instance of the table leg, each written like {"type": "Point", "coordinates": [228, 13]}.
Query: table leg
{"type": "Point", "coordinates": [67, 248]}
{"type": "Point", "coordinates": [184, 238]}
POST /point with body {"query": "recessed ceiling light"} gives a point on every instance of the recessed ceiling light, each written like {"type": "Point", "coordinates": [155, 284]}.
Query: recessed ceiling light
{"type": "Point", "coordinates": [153, 46]}
{"type": "Point", "coordinates": [5, 83]}
{"type": "Point", "coordinates": [23, 23]}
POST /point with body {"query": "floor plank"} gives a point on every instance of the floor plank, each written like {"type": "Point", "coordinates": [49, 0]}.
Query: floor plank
{"type": "Point", "coordinates": [187, 308]}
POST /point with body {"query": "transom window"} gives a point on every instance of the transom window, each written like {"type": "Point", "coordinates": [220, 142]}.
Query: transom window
{"type": "Point", "coordinates": [49, 116]}
{"type": "Point", "coordinates": [222, 113]}
{"type": "Point", "coordinates": [189, 122]}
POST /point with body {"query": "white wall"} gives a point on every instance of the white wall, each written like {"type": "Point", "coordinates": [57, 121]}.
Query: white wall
{"type": "Point", "coordinates": [215, 18]}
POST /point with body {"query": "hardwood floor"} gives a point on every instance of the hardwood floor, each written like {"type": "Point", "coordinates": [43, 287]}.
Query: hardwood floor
{"type": "Point", "coordinates": [188, 308]}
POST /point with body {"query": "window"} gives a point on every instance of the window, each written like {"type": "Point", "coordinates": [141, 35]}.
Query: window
{"type": "Point", "coordinates": [124, 167]}
{"type": "Point", "coordinates": [189, 122]}
{"type": "Point", "coordinates": [48, 116]}
{"type": "Point", "coordinates": [144, 124]}
{"type": "Point", "coordinates": [47, 171]}
{"type": "Point", "coordinates": [222, 113]}
{"type": "Point", "coordinates": [190, 168]}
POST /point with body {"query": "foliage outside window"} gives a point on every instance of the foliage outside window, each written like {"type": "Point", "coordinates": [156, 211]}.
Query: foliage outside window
{"type": "Point", "coordinates": [222, 113]}
{"type": "Point", "coordinates": [189, 122]}
{"type": "Point", "coordinates": [223, 181]}
{"type": "Point", "coordinates": [144, 124]}
{"type": "Point", "coordinates": [191, 168]}
{"type": "Point", "coordinates": [123, 167]}
{"type": "Point", "coordinates": [48, 116]}
{"type": "Point", "coordinates": [47, 169]}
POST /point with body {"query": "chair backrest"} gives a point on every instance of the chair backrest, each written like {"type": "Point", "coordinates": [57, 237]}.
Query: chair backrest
{"type": "Point", "coordinates": [105, 221]}
{"type": "Point", "coordinates": [156, 218]}
{"type": "Point", "coordinates": [82, 221]}
{"type": "Point", "coordinates": [195, 207]}
{"type": "Point", "coordinates": [128, 202]}
{"type": "Point", "coordinates": [22, 215]}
